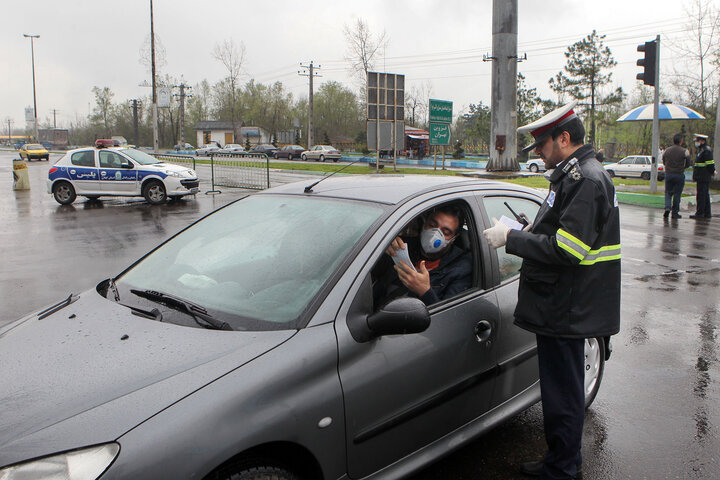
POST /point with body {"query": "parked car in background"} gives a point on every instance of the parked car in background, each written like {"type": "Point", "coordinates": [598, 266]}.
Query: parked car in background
{"type": "Point", "coordinates": [31, 151]}
{"type": "Point", "coordinates": [238, 349]}
{"type": "Point", "coordinates": [265, 148]}
{"type": "Point", "coordinates": [535, 165]}
{"type": "Point", "coordinates": [47, 145]}
{"type": "Point", "coordinates": [207, 149]}
{"type": "Point", "coordinates": [231, 148]}
{"type": "Point", "coordinates": [634, 166]}
{"type": "Point", "coordinates": [118, 171]}
{"type": "Point", "coordinates": [289, 152]}
{"type": "Point", "coordinates": [321, 153]}
{"type": "Point", "coordinates": [183, 146]}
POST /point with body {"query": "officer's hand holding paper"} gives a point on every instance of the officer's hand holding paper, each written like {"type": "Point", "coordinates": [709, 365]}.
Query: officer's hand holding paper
{"type": "Point", "coordinates": [496, 235]}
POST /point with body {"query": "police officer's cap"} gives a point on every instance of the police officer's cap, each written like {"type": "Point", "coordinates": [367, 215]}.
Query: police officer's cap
{"type": "Point", "coordinates": [700, 135]}
{"type": "Point", "coordinates": [542, 128]}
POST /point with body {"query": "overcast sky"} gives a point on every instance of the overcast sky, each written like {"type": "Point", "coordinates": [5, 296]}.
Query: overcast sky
{"type": "Point", "coordinates": [87, 43]}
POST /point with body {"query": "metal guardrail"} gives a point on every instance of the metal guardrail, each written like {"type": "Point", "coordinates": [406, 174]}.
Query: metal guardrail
{"type": "Point", "coordinates": [184, 160]}
{"type": "Point", "coordinates": [242, 170]}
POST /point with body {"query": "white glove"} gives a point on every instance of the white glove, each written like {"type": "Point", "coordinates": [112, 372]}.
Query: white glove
{"type": "Point", "coordinates": [496, 236]}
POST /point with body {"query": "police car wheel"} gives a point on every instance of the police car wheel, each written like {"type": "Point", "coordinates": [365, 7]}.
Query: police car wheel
{"type": "Point", "coordinates": [64, 193]}
{"type": "Point", "coordinates": [594, 368]}
{"type": "Point", "coordinates": [533, 168]}
{"type": "Point", "coordinates": [154, 192]}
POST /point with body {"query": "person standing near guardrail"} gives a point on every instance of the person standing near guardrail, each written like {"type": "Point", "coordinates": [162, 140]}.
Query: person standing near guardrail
{"type": "Point", "coordinates": [702, 174]}
{"type": "Point", "coordinates": [676, 159]}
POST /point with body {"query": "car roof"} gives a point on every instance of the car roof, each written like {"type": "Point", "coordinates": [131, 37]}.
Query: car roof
{"type": "Point", "coordinates": [391, 189]}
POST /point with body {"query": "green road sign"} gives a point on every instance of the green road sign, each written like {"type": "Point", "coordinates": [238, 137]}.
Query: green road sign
{"type": "Point", "coordinates": [440, 111]}
{"type": "Point", "coordinates": [439, 133]}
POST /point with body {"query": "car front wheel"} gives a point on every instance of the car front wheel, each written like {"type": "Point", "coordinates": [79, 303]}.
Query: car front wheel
{"type": "Point", "coordinates": [64, 193]}
{"type": "Point", "coordinates": [611, 173]}
{"type": "Point", "coordinates": [594, 368]}
{"type": "Point", "coordinates": [260, 473]}
{"type": "Point", "coordinates": [304, 157]}
{"type": "Point", "coordinates": [533, 168]}
{"type": "Point", "coordinates": [322, 158]}
{"type": "Point", "coordinates": [289, 156]}
{"type": "Point", "coordinates": [154, 192]}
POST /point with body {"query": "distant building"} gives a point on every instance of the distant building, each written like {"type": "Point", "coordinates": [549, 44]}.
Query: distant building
{"type": "Point", "coordinates": [57, 136]}
{"type": "Point", "coordinates": [210, 131]}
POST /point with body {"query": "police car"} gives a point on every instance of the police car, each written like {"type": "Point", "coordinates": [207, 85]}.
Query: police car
{"type": "Point", "coordinates": [109, 171]}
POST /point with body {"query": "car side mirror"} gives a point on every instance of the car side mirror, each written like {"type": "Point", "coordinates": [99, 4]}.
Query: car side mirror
{"type": "Point", "coordinates": [400, 317]}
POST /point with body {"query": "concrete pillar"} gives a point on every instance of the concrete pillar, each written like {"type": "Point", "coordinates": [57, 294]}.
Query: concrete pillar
{"type": "Point", "coordinates": [503, 123]}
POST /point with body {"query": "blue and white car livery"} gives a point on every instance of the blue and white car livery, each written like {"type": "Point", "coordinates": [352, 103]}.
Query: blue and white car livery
{"type": "Point", "coordinates": [95, 172]}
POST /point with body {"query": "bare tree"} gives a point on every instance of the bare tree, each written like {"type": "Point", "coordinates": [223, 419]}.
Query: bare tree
{"type": "Point", "coordinates": [699, 49]}
{"type": "Point", "coordinates": [232, 57]}
{"type": "Point", "coordinates": [363, 47]}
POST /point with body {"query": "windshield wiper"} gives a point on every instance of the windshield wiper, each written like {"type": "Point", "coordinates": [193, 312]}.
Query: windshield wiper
{"type": "Point", "coordinates": [197, 312]}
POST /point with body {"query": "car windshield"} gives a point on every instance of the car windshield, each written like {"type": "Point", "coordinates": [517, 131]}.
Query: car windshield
{"type": "Point", "coordinates": [257, 263]}
{"type": "Point", "coordinates": [33, 146]}
{"type": "Point", "coordinates": [140, 157]}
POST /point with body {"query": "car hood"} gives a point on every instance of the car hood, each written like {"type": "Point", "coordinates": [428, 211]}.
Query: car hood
{"type": "Point", "coordinates": [162, 167]}
{"type": "Point", "coordinates": [92, 371]}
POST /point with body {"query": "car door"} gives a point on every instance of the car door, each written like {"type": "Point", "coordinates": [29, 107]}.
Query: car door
{"type": "Point", "coordinates": [625, 167]}
{"type": "Point", "coordinates": [516, 349]}
{"type": "Point", "coordinates": [118, 175]}
{"type": "Point", "coordinates": [82, 170]}
{"type": "Point", "coordinates": [403, 392]}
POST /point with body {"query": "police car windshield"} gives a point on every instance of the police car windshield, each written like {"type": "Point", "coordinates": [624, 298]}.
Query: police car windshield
{"type": "Point", "coordinates": [140, 157]}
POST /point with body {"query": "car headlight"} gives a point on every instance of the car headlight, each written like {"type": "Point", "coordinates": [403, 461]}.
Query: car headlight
{"type": "Point", "coordinates": [85, 464]}
{"type": "Point", "coordinates": [173, 173]}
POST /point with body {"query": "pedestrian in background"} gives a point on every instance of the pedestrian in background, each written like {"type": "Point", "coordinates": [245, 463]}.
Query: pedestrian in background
{"type": "Point", "coordinates": [569, 287]}
{"type": "Point", "coordinates": [676, 159]}
{"type": "Point", "coordinates": [703, 172]}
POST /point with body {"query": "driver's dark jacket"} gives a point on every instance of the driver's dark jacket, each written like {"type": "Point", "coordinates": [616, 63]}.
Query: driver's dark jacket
{"type": "Point", "coordinates": [570, 275]}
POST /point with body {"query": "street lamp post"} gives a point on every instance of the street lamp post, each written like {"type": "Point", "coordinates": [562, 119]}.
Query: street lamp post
{"type": "Point", "coordinates": [32, 53]}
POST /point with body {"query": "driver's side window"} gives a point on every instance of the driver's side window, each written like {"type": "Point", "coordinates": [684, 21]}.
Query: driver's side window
{"type": "Point", "coordinates": [444, 237]}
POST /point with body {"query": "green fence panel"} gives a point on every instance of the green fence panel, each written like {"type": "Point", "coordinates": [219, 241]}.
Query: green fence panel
{"type": "Point", "coordinates": [242, 170]}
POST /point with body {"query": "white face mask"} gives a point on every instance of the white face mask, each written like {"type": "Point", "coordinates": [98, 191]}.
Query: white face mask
{"type": "Point", "coordinates": [433, 240]}
{"type": "Point", "coordinates": [697, 144]}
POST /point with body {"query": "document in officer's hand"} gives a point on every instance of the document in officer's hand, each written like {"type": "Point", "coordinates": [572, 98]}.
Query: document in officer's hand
{"type": "Point", "coordinates": [402, 255]}
{"type": "Point", "coordinates": [513, 224]}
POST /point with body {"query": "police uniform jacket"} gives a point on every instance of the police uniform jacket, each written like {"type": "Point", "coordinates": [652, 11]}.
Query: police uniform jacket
{"type": "Point", "coordinates": [570, 275]}
{"type": "Point", "coordinates": [704, 165]}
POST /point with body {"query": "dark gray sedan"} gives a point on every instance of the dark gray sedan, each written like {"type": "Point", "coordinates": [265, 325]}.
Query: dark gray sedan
{"type": "Point", "coordinates": [255, 344]}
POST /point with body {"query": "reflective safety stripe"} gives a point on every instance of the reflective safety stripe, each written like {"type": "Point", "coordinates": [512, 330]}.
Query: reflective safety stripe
{"type": "Point", "coordinates": [705, 164]}
{"type": "Point", "coordinates": [571, 244]}
{"type": "Point", "coordinates": [603, 254]}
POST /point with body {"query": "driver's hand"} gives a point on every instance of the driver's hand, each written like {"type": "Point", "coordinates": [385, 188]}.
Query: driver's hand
{"type": "Point", "coordinates": [417, 282]}
{"type": "Point", "coordinates": [396, 245]}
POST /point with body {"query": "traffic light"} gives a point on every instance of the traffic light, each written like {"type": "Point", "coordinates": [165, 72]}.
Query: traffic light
{"type": "Point", "coordinates": [649, 63]}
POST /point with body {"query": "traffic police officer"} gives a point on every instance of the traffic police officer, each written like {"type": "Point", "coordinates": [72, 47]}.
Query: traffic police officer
{"type": "Point", "coordinates": [569, 281]}
{"type": "Point", "coordinates": [702, 174]}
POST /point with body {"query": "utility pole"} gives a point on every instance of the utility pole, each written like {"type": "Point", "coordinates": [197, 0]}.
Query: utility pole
{"type": "Point", "coordinates": [54, 110]}
{"type": "Point", "coordinates": [154, 87]}
{"type": "Point", "coordinates": [182, 96]}
{"type": "Point", "coordinates": [310, 100]}
{"type": "Point", "coordinates": [32, 53]}
{"type": "Point", "coordinates": [503, 106]}
{"type": "Point", "coordinates": [10, 122]}
{"type": "Point", "coordinates": [135, 105]}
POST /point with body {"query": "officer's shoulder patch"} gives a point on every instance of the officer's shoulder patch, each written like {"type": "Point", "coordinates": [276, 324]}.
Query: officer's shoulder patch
{"type": "Point", "coordinates": [551, 198]}
{"type": "Point", "coordinates": [575, 173]}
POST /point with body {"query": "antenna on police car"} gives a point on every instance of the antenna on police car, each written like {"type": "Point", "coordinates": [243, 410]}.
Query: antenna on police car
{"type": "Point", "coordinates": [309, 188]}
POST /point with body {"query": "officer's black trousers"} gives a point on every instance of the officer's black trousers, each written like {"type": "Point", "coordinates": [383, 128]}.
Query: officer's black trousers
{"type": "Point", "coordinates": [562, 376]}
{"type": "Point", "coordinates": [703, 199]}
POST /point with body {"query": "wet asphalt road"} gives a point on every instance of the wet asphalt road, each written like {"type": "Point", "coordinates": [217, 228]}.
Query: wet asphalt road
{"type": "Point", "coordinates": [657, 414]}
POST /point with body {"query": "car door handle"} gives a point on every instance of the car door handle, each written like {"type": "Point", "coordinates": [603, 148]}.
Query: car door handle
{"type": "Point", "coordinates": [483, 329]}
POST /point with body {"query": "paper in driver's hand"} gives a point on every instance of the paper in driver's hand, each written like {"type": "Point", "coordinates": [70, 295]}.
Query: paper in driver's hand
{"type": "Point", "coordinates": [402, 255]}
{"type": "Point", "coordinates": [513, 224]}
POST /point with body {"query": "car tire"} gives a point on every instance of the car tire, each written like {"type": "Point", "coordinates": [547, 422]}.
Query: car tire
{"type": "Point", "coordinates": [154, 192]}
{"type": "Point", "coordinates": [289, 156]}
{"type": "Point", "coordinates": [594, 368]}
{"type": "Point", "coordinates": [260, 473]}
{"type": "Point", "coordinates": [322, 158]}
{"type": "Point", "coordinates": [611, 173]}
{"type": "Point", "coordinates": [47, 159]}
{"type": "Point", "coordinates": [335, 160]}
{"type": "Point", "coordinates": [533, 168]}
{"type": "Point", "coordinates": [64, 193]}
{"type": "Point", "coordinates": [304, 157]}
{"type": "Point", "coordinates": [645, 175]}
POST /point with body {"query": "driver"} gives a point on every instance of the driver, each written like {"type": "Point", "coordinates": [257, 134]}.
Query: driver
{"type": "Point", "coordinates": [441, 269]}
